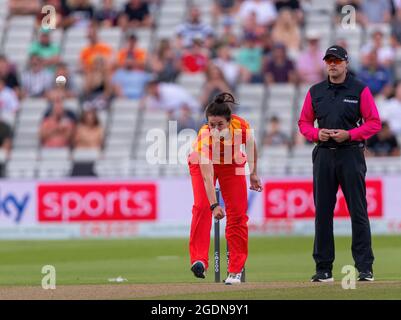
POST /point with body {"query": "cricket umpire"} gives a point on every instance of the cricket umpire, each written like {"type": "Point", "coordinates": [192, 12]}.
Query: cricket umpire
{"type": "Point", "coordinates": [346, 115]}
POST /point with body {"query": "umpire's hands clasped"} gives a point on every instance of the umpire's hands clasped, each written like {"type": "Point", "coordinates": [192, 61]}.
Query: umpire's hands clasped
{"type": "Point", "coordinates": [337, 135]}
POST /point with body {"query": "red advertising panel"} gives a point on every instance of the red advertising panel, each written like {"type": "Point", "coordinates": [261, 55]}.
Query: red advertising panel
{"type": "Point", "coordinates": [294, 200]}
{"type": "Point", "coordinates": [97, 202]}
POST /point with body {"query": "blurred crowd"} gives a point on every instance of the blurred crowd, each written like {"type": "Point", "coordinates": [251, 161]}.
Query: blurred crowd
{"type": "Point", "coordinates": [270, 47]}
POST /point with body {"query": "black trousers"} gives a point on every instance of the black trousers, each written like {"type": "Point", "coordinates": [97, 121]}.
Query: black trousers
{"type": "Point", "coordinates": [345, 167]}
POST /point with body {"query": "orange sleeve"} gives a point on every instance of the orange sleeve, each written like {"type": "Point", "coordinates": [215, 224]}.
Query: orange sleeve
{"type": "Point", "coordinates": [239, 123]}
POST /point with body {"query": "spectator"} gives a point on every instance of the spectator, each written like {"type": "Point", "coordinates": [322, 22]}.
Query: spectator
{"type": "Point", "coordinates": [130, 81]}
{"type": "Point", "coordinates": [57, 127]}
{"type": "Point", "coordinates": [5, 137]}
{"type": "Point", "coordinates": [274, 136]}
{"type": "Point", "coordinates": [228, 37]}
{"type": "Point", "coordinates": [223, 7]}
{"type": "Point", "coordinates": [185, 119]}
{"type": "Point", "coordinates": [250, 56]}
{"type": "Point", "coordinates": [250, 25]}
{"type": "Point", "coordinates": [280, 68]}
{"type": "Point", "coordinates": [169, 97]}
{"type": "Point", "coordinates": [376, 11]}
{"type": "Point", "coordinates": [194, 28]}
{"type": "Point", "coordinates": [131, 49]}
{"type": "Point", "coordinates": [89, 132]}
{"type": "Point", "coordinates": [265, 11]}
{"type": "Point", "coordinates": [37, 79]}
{"type": "Point", "coordinates": [135, 14]}
{"type": "Point", "coordinates": [266, 45]}
{"type": "Point", "coordinates": [8, 103]}
{"type": "Point", "coordinates": [107, 16]}
{"type": "Point", "coordinates": [165, 63]}
{"type": "Point", "coordinates": [97, 84]}
{"type": "Point", "coordinates": [57, 96]}
{"type": "Point", "coordinates": [309, 64]}
{"type": "Point", "coordinates": [23, 7]}
{"type": "Point", "coordinates": [375, 76]}
{"type": "Point", "coordinates": [383, 144]}
{"type": "Point", "coordinates": [286, 31]}
{"type": "Point", "coordinates": [385, 53]}
{"type": "Point", "coordinates": [44, 48]}
{"type": "Point", "coordinates": [232, 71]}
{"type": "Point", "coordinates": [78, 13]}
{"type": "Point", "coordinates": [390, 111]}
{"type": "Point", "coordinates": [215, 84]}
{"type": "Point", "coordinates": [293, 5]}
{"type": "Point", "coordinates": [71, 90]}
{"type": "Point", "coordinates": [95, 48]}
{"type": "Point", "coordinates": [195, 57]}
{"type": "Point", "coordinates": [7, 72]}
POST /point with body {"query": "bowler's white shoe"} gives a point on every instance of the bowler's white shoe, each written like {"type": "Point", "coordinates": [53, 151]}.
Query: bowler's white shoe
{"type": "Point", "coordinates": [233, 278]}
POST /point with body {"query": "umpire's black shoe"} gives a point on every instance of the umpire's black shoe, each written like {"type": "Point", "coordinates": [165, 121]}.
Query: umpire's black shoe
{"type": "Point", "coordinates": [366, 276]}
{"type": "Point", "coordinates": [322, 277]}
{"type": "Point", "coordinates": [198, 268]}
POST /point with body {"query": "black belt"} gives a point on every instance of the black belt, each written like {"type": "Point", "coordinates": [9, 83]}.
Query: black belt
{"type": "Point", "coordinates": [342, 146]}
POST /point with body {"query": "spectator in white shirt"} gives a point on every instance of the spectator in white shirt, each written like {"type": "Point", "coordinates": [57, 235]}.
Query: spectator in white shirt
{"type": "Point", "coordinates": [265, 10]}
{"type": "Point", "coordinates": [390, 111]}
{"type": "Point", "coordinates": [385, 53]}
{"type": "Point", "coordinates": [37, 79]}
{"type": "Point", "coordinates": [8, 103]}
{"type": "Point", "coordinates": [233, 72]}
{"type": "Point", "coordinates": [194, 28]}
{"type": "Point", "coordinates": [169, 97]}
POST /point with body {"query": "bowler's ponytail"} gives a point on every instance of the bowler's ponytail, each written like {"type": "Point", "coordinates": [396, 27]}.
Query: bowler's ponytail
{"type": "Point", "coordinates": [221, 106]}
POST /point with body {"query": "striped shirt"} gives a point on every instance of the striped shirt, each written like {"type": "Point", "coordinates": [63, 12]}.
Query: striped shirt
{"type": "Point", "coordinates": [190, 31]}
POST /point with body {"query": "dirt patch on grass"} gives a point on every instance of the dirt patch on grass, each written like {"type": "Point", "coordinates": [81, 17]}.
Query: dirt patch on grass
{"type": "Point", "coordinates": [145, 291]}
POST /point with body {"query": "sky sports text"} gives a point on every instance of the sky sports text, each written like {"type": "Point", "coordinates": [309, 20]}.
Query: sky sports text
{"type": "Point", "coordinates": [294, 200]}
{"type": "Point", "coordinates": [13, 206]}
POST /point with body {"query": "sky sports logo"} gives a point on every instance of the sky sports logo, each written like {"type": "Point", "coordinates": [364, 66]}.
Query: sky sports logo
{"type": "Point", "coordinates": [13, 205]}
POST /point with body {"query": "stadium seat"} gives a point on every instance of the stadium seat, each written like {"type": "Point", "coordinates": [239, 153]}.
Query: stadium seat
{"type": "Point", "coordinates": [54, 154]}
{"type": "Point", "coordinates": [85, 154]}
{"type": "Point", "coordinates": [54, 169]}
{"type": "Point", "coordinates": [111, 36]}
{"type": "Point", "coordinates": [302, 152]}
{"type": "Point", "coordinates": [24, 154]}
{"type": "Point", "coordinates": [105, 168]}
{"type": "Point", "coordinates": [21, 169]}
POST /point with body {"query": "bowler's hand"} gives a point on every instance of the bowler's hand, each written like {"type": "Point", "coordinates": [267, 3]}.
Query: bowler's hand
{"type": "Point", "coordinates": [255, 183]}
{"type": "Point", "coordinates": [325, 134]}
{"type": "Point", "coordinates": [218, 213]}
{"type": "Point", "coordinates": [340, 135]}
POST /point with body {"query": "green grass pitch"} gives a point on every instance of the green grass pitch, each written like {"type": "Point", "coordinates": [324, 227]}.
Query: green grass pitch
{"type": "Point", "coordinates": [145, 261]}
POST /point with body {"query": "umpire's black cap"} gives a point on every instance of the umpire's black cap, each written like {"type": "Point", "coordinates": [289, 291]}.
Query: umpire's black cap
{"type": "Point", "coordinates": [336, 51]}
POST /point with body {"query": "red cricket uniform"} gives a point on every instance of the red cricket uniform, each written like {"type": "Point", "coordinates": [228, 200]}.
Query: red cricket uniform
{"type": "Point", "coordinates": [234, 191]}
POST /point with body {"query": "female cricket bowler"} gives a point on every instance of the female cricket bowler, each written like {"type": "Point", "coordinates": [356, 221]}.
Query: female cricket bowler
{"type": "Point", "coordinates": [217, 155]}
